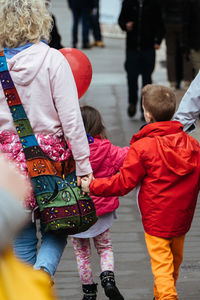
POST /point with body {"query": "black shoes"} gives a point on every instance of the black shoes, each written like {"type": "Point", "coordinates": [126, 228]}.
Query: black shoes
{"type": "Point", "coordinates": [108, 283]}
{"type": "Point", "coordinates": [89, 291]}
{"type": "Point", "coordinates": [131, 109]}
{"type": "Point", "coordinates": [86, 46]}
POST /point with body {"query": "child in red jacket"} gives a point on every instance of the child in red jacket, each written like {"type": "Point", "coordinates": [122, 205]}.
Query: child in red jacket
{"type": "Point", "coordinates": [166, 162]}
{"type": "Point", "coordinates": [105, 159]}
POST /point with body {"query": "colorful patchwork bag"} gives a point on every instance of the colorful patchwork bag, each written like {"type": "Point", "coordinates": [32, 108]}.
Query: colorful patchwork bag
{"type": "Point", "coordinates": [61, 203]}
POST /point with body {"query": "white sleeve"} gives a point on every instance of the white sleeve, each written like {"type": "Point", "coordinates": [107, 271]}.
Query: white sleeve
{"type": "Point", "coordinates": [67, 104]}
{"type": "Point", "coordinates": [189, 109]}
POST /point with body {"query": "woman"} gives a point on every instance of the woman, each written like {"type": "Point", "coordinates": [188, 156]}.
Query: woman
{"type": "Point", "coordinates": [47, 89]}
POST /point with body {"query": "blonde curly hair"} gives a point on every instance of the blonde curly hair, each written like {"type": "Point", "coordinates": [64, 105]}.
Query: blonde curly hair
{"type": "Point", "coordinates": [24, 21]}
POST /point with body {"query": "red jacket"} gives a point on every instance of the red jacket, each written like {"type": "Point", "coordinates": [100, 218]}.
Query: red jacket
{"type": "Point", "coordinates": [106, 159]}
{"type": "Point", "coordinates": [166, 161]}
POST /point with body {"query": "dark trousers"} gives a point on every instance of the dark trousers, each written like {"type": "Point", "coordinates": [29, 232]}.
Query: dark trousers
{"type": "Point", "coordinates": [138, 62]}
{"type": "Point", "coordinates": [83, 15]}
{"type": "Point", "coordinates": [178, 67]}
{"type": "Point", "coordinates": [96, 26]}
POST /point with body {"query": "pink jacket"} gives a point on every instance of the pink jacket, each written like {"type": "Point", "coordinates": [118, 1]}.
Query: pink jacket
{"type": "Point", "coordinates": [106, 159]}
{"type": "Point", "coordinates": [46, 86]}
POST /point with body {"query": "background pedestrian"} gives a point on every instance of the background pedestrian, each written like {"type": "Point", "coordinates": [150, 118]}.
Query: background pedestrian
{"type": "Point", "coordinates": [178, 65]}
{"type": "Point", "coordinates": [142, 21]}
{"type": "Point", "coordinates": [81, 11]}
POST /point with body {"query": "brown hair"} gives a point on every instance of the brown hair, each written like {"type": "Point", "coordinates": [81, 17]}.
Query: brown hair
{"type": "Point", "coordinates": [160, 101]}
{"type": "Point", "coordinates": [93, 121]}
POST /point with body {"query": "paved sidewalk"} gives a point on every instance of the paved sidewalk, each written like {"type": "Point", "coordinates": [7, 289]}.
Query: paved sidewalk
{"type": "Point", "coordinates": [108, 93]}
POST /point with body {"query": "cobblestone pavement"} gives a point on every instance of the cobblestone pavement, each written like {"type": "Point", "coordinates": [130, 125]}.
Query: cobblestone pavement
{"type": "Point", "coordinates": [108, 93]}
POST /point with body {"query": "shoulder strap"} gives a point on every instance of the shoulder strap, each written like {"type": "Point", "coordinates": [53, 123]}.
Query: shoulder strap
{"type": "Point", "coordinates": [24, 130]}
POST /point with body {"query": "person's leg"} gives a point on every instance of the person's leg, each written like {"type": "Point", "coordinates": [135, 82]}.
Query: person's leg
{"type": "Point", "coordinates": [85, 16]}
{"type": "Point", "coordinates": [50, 251]}
{"type": "Point", "coordinates": [96, 26]}
{"type": "Point", "coordinates": [170, 38]}
{"type": "Point", "coordinates": [103, 244]}
{"type": "Point", "coordinates": [132, 69]}
{"type": "Point", "coordinates": [162, 263]}
{"type": "Point", "coordinates": [177, 251]}
{"type": "Point", "coordinates": [25, 244]}
{"type": "Point", "coordinates": [147, 67]}
{"type": "Point", "coordinates": [76, 17]}
{"type": "Point", "coordinates": [82, 251]}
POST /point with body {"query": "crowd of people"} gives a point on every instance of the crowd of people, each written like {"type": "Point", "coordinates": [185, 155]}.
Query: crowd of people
{"type": "Point", "coordinates": [163, 160]}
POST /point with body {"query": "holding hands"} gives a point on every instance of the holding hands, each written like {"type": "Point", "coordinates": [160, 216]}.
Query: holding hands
{"type": "Point", "coordinates": [85, 183]}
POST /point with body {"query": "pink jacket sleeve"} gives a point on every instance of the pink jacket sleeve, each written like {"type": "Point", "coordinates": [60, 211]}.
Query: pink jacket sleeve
{"type": "Point", "coordinates": [67, 104]}
{"type": "Point", "coordinates": [117, 156]}
{"type": "Point", "coordinates": [131, 173]}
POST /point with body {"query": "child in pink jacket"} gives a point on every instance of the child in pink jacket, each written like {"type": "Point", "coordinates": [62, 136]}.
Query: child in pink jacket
{"type": "Point", "coordinates": [105, 159]}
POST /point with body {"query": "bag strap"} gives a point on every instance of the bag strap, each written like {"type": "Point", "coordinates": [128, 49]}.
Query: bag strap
{"type": "Point", "coordinates": [23, 127]}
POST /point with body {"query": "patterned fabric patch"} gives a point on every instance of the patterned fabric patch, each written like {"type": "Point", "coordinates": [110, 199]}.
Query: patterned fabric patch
{"type": "Point", "coordinates": [3, 64]}
{"type": "Point", "coordinates": [63, 198]}
{"type": "Point", "coordinates": [6, 80]}
{"type": "Point", "coordinates": [12, 97]}
{"type": "Point", "coordinates": [86, 206]}
{"type": "Point", "coordinates": [34, 152]}
{"type": "Point", "coordinates": [46, 184]}
{"type": "Point", "coordinates": [71, 224]}
{"type": "Point", "coordinates": [18, 112]}
{"type": "Point", "coordinates": [23, 127]}
{"type": "Point", "coordinates": [28, 141]}
{"type": "Point", "coordinates": [42, 166]}
{"type": "Point", "coordinates": [59, 212]}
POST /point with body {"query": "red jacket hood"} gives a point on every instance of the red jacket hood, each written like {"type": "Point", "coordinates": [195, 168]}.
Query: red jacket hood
{"type": "Point", "coordinates": [178, 152]}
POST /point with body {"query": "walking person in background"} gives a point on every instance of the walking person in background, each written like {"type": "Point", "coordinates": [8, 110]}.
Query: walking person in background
{"type": "Point", "coordinates": [95, 26]}
{"type": "Point", "coordinates": [178, 65]}
{"type": "Point", "coordinates": [191, 32]}
{"type": "Point", "coordinates": [188, 111]}
{"type": "Point", "coordinates": [46, 87]}
{"type": "Point", "coordinates": [142, 21]}
{"type": "Point", "coordinates": [105, 159]}
{"type": "Point", "coordinates": [81, 10]}
{"type": "Point", "coordinates": [165, 161]}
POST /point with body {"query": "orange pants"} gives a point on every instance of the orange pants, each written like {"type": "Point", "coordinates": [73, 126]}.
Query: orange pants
{"type": "Point", "coordinates": [166, 257]}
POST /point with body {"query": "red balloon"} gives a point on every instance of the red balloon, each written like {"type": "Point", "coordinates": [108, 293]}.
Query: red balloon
{"type": "Point", "coordinates": [81, 68]}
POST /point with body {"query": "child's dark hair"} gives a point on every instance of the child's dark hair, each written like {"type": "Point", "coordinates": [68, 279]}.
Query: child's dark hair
{"type": "Point", "coordinates": [93, 121]}
{"type": "Point", "coordinates": [160, 101]}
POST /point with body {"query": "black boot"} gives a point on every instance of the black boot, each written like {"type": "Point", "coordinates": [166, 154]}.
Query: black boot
{"type": "Point", "coordinates": [108, 283]}
{"type": "Point", "coordinates": [90, 291]}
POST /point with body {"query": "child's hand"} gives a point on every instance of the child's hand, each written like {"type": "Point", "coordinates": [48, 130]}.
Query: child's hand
{"type": "Point", "coordinates": [85, 185]}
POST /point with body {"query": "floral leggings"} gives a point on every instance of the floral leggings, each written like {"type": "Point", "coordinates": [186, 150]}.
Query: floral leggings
{"type": "Point", "coordinates": [82, 248]}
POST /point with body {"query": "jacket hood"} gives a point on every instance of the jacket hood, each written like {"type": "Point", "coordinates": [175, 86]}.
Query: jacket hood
{"type": "Point", "coordinates": [22, 68]}
{"type": "Point", "coordinates": [178, 151]}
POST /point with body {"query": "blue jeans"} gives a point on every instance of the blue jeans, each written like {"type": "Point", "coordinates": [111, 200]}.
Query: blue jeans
{"type": "Point", "coordinates": [49, 253]}
{"type": "Point", "coordinates": [83, 15]}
